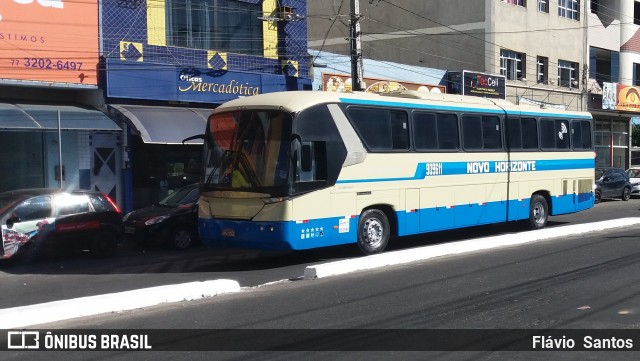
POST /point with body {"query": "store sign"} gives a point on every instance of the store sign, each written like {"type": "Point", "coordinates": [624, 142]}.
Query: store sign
{"type": "Point", "coordinates": [342, 83]}
{"type": "Point", "coordinates": [609, 96]}
{"type": "Point", "coordinates": [152, 81]}
{"type": "Point", "coordinates": [49, 41]}
{"type": "Point", "coordinates": [194, 80]}
{"type": "Point", "coordinates": [483, 85]}
{"type": "Point", "coordinates": [620, 97]}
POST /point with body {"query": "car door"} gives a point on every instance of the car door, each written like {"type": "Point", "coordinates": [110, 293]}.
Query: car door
{"type": "Point", "coordinates": [617, 184]}
{"type": "Point", "coordinates": [607, 183]}
{"type": "Point", "coordinates": [74, 220]}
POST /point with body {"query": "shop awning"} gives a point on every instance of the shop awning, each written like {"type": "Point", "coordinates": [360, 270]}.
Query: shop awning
{"type": "Point", "coordinates": [165, 125]}
{"type": "Point", "coordinates": [45, 117]}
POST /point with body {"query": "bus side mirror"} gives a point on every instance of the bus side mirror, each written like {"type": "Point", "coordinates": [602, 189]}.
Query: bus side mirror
{"type": "Point", "coordinates": [305, 159]}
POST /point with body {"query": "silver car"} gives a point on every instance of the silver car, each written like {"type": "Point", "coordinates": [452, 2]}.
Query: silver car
{"type": "Point", "coordinates": [634, 179]}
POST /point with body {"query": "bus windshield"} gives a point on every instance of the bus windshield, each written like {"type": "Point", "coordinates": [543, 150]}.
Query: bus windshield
{"type": "Point", "coordinates": [248, 150]}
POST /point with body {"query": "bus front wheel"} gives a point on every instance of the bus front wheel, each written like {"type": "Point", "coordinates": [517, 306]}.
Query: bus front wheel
{"type": "Point", "coordinates": [538, 211]}
{"type": "Point", "coordinates": [373, 231]}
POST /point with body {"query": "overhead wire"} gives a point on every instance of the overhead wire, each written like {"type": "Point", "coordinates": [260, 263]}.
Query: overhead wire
{"type": "Point", "coordinates": [336, 17]}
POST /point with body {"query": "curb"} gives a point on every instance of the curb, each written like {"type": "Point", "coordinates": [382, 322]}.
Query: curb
{"type": "Point", "coordinates": [121, 301]}
{"type": "Point", "coordinates": [23, 316]}
{"type": "Point", "coordinates": [451, 248]}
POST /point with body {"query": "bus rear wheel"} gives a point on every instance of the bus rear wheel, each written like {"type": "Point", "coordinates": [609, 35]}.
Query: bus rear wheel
{"type": "Point", "coordinates": [373, 231]}
{"type": "Point", "coordinates": [538, 211]}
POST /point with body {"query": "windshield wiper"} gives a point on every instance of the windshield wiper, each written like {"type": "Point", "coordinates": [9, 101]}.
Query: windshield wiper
{"type": "Point", "coordinates": [240, 162]}
{"type": "Point", "coordinates": [215, 169]}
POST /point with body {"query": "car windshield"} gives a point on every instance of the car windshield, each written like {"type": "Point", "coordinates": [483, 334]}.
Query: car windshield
{"type": "Point", "coordinates": [180, 197]}
{"type": "Point", "coordinates": [633, 173]}
{"type": "Point", "coordinates": [599, 173]}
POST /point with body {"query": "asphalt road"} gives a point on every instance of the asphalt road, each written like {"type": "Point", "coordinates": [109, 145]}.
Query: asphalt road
{"type": "Point", "coordinates": [582, 282]}
{"type": "Point", "coordinates": [24, 283]}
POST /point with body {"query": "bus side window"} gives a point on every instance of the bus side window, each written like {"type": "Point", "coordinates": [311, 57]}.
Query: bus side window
{"type": "Point", "coordinates": [580, 134]}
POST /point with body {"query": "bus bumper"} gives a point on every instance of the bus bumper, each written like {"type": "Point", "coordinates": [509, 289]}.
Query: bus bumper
{"type": "Point", "coordinates": [242, 234]}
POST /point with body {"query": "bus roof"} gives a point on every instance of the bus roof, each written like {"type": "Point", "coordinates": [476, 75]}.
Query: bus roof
{"type": "Point", "coordinates": [295, 101]}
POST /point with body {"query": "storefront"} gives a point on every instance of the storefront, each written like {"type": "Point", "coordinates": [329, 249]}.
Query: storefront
{"type": "Point", "coordinates": [167, 64]}
{"type": "Point", "coordinates": [612, 111]}
{"type": "Point", "coordinates": [173, 104]}
{"type": "Point", "coordinates": [50, 102]}
{"type": "Point", "coordinates": [31, 148]}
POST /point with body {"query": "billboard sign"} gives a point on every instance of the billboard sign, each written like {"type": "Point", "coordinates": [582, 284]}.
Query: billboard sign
{"type": "Point", "coordinates": [628, 98]}
{"type": "Point", "coordinates": [342, 83]}
{"type": "Point", "coordinates": [49, 41]}
{"type": "Point", "coordinates": [483, 85]}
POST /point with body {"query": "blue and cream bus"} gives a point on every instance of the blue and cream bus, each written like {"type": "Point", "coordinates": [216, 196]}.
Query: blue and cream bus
{"type": "Point", "coordinates": [300, 170]}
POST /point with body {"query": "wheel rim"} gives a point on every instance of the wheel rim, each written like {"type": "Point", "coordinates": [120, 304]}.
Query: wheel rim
{"type": "Point", "coordinates": [539, 213]}
{"type": "Point", "coordinates": [373, 231]}
{"type": "Point", "coordinates": [597, 196]}
{"type": "Point", "coordinates": [626, 193]}
{"type": "Point", "coordinates": [182, 239]}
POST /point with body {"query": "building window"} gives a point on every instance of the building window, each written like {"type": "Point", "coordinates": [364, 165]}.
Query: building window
{"type": "Point", "coordinates": [636, 13]}
{"type": "Point", "coordinates": [569, 9]}
{"type": "Point", "coordinates": [567, 71]}
{"type": "Point", "coordinates": [512, 64]}
{"type": "Point", "coordinates": [636, 74]}
{"type": "Point", "coordinates": [224, 25]}
{"type": "Point", "coordinates": [603, 65]}
{"type": "Point", "coordinates": [516, 2]}
{"type": "Point", "coordinates": [543, 69]}
{"type": "Point", "coordinates": [543, 6]}
{"type": "Point", "coordinates": [595, 6]}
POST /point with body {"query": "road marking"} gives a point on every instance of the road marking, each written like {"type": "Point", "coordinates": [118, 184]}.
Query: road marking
{"type": "Point", "coordinates": [451, 248]}
{"type": "Point", "coordinates": [121, 301]}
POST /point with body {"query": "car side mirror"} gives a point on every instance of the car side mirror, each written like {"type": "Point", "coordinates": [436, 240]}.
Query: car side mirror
{"type": "Point", "coordinates": [13, 220]}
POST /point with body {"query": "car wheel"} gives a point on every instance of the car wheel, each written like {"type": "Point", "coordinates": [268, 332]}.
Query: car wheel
{"type": "Point", "coordinates": [626, 194]}
{"type": "Point", "coordinates": [538, 211]}
{"type": "Point", "coordinates": [373, 231]}
{"type": "Point", "coordinates": [181, 238]}
{"type": "Point", "coordinates": [597, 197]}
{"type": "Point", "coordinates": [104, 245]}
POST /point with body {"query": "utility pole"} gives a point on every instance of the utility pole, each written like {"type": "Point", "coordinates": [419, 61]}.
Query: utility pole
{"type": "Point", "coordinates": [356, 47]}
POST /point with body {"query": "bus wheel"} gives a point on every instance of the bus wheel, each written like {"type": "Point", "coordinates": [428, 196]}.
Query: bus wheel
{"type": "Point", "coordinates": [373, 231]}
{"type": "Point", "coordinates": [538, 211]}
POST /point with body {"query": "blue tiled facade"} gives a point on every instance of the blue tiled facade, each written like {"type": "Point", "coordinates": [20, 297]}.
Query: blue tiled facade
{"type": "Point", "coordinates": [133, 56]}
